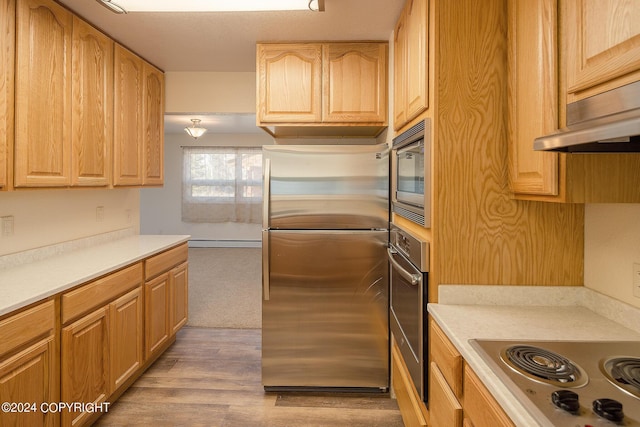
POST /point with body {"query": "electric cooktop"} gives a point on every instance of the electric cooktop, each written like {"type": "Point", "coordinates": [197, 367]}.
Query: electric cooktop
{"type": "Point", "coordinates": [570, 383]}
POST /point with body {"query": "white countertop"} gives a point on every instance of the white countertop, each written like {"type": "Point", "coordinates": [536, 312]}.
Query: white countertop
{"type": "Point", "coordinates": [30, 282]}
{"type": "Point", "coordinates": [462, 322]}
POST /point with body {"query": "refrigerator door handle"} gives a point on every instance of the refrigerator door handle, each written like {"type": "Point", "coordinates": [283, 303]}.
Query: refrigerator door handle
{"type": "Point", "coordinates": [266, 193]}
{"type": "Point", "coordinates": [266, 287]}
{"type": "Point", "coordinates": [414, 279]}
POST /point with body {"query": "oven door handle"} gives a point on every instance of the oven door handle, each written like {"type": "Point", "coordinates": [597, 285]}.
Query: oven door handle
{"type": "Point", "coordinates": [414, 279]}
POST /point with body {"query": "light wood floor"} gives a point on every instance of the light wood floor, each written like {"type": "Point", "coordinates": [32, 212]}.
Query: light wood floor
{"type": "Point", "coordinates": [211, 377]}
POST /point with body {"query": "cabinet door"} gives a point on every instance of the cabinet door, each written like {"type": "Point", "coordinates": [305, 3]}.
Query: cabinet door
{"type": "Point", "coordinates": [7, 54]}
{"type": "Point", "coordinates": [417, 50]}
{"type": "Point", "coordinates": [92, 122]}
{"type": "Point", "coordinates": [533, 95]}
{"type": "Point", "coordinates": [400, 72]}
{"type": "Point", "coordinates": [85, 363]}
{"type": "Point", "coordinates": [354, 82]}
{"type": "Point", "coordinates": [289, 83]}
{"type": "Point", "coordinates": [43, 94]}
{"type": "Point", "coordinates": [157, 321]}
{"type": "Point", "coordinates": [179, 297]}
{"type": "Point", "coordinates": [126, 337]}
{"type": "Point", "coordinates": [479, 406]}
{"type": "Point", "coordinates": [128, 126]}
{"type": "Point", "coordinates": [29, 377]}
{"type": "Point", "coordinates": [153, 125]}
{"type": "Point", "coordinates": [603, 44]}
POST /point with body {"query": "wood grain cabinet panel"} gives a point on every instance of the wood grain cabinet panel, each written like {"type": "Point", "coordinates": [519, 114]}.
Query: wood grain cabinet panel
{"type": "Point", "coordinates": [479, 406]}
{"type": "Point", "coordinates": [43, 94]}
{"type": "Point", "coordinates": [92, 119]}
{"type": "Point", "coordinates": [411, 62]}
{"type": "Point", "coordinates": [533, 94]}
{"type": "Point", "coordinates": [7, 60]}
{"type": "Point", "coordinates": [445, 410]}
{"type": "Point", "coordinates": [411, 407]}
{"type": "Point", "coordinates": [153, 126]}
{"type": "Point", "coordinates": [85, 363]}
{"type": "Point", "coordinates": [179, 297]}
{"type": "Point", "coordinates": [127, 337]}
{"type": "Point", "coordinates": [602, 45]}
{"type": "Point", "coordinates": [29, 370]}
{"type": "Point", "coordinates": [354, 82]}
{"type": "Point", "coordinates": [128, 125]}
{"type": "Point", "coordinates": [289, 83]}
{"type": "Point", "coordinates": [157, 320]}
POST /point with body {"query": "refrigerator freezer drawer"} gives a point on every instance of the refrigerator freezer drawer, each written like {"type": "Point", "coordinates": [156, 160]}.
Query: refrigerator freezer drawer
{"type": "Point", "coordinates": [325, 323]}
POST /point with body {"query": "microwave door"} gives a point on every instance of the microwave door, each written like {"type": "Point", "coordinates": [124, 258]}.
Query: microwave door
{"type": "Point", "coordinates": [410, 174]}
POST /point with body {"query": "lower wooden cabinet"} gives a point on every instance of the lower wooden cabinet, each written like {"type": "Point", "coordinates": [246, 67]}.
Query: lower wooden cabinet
{"type": "Point", "coordinates": [457, 397]}
{"type": "Point", "coordinates": [85, 363]}
{"type": "Point", "coordinates": [127, 335]}
{"type": "Point", "coordinates": [156, 294]}
{"type": "Point", "coordinates": [28, 366]}
{"type": "Point", "coordinates": [166, 302]}
{"type": "Point", "coordinates": [86, 345]}
{"type": "Point", "coordinates": [480, 408]}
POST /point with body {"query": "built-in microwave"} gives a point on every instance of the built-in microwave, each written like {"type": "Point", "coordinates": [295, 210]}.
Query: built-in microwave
{"type": "Point", "coordinates": [411, 174]}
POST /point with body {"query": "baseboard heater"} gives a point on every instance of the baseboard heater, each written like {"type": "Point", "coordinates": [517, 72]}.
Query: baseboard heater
{"type": "Point", "coordinates": [206, 243]}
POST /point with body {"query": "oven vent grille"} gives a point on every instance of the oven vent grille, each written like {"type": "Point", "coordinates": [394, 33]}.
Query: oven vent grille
{"type": "Point", "coordinates": [413, 130]}
{"type": "Point", "coordinates": [412, 216]}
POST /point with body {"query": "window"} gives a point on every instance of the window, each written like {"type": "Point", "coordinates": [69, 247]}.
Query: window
{"type": "Point", "coordinates": [222, 184]}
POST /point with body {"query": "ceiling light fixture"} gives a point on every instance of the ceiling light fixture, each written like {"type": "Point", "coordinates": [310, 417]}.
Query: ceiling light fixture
{"type": "Point", "coordinates": [195, 130]}
{"type": "Point", "coordinates": [113, 7]}
{"type": "Point", "coordinates": [126, 6]}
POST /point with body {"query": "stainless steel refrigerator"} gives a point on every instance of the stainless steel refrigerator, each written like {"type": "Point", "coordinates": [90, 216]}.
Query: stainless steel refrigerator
{"type": "Point", "coordinates": [325, 268]}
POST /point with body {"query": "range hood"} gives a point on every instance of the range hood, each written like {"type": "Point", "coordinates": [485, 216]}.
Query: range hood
{"type": "Point", "coordinates": [604, 123]}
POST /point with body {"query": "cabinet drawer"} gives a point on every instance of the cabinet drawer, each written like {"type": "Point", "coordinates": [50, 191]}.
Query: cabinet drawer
{"type": "Point", "coordinates": [165, 261]}
{"type": "Point", "coordinates": [25, 326]}
{"type": "Point", "coordinates": [445, 355]}
{"type": "Point", "coordinates": [100, 292]}
{"type": "Point", "coordinates": [445, 410]}
{"type": "Point", "coordinates": [480, 406]}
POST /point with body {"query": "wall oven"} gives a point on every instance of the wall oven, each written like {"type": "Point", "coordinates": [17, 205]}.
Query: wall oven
{"type": "Point", "coordinates": [409, 266]}
{"type": "Point", "coordinates": [411, 174]}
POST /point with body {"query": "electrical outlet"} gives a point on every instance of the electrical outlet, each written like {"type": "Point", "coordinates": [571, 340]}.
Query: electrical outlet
{"type": "Point", "coordinates": [100, 214]}
{"type": "Point", "coordinates": [7, 226]}
{"type": "Point", "coordinates": [636, 279]}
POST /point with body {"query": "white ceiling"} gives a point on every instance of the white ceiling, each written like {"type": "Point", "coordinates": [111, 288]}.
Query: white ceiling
{"type": "Point", "coordinates": [225, 42]}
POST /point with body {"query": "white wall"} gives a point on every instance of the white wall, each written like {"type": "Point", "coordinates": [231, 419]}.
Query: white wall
{"type": "Point", "coordinates": [612, 245]}
{"type": "Point", "coordinates": [210, 92]}
{"type": "Point", "coordinates": [160, 208]}
{"type": "Point", "coordinates": [47, 217]}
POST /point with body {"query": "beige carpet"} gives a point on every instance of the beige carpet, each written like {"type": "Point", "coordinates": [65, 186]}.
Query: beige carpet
{"type": "Point", "coordinates": [225, 287]}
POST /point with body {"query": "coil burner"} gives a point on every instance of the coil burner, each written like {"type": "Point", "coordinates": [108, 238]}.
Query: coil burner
{"type": "Point", "coordinates": [544, 366]}
{"type": "Point", "coordinates": [623, 372]}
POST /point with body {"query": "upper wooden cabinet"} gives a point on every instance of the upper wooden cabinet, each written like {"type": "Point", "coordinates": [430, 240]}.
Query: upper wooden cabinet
{"type": "Point", "coordinates": [128, 127]}
{"type": "Point", "coordinates": [7, 58]}
{"type": "Point", "coordinates": [411, 63]}
{"type": "Point", "coordinates": [138, 121]}
{"type": "Point", "coordinates": [533, 94]}
{"type": "Point", "coordinates": [307, 89]}
{"type": "Point", "coordinates": [153, 126]}
{"type": "Point", "coordinates": [289, 83]}
{"type": "Point", "coordinates": [536, 108]}
{"type": "Point", "coordinates": [602, 45]}
{"type": "Point", "coordinates": [43, 94]}
{"type": "Point", "coordinates": [92, 118]}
